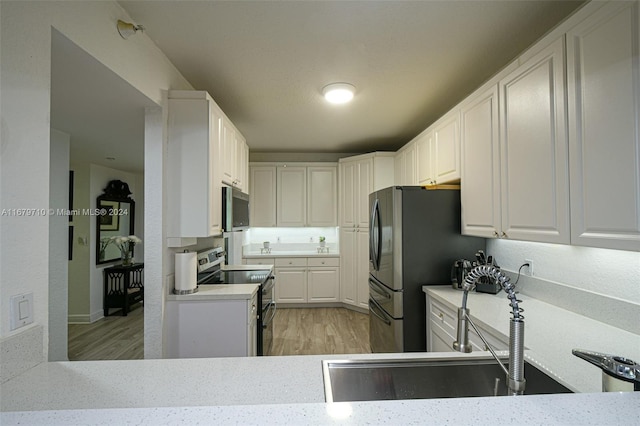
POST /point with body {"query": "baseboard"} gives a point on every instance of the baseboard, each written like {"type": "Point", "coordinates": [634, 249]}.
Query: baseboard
{"type": "Point", "coordinates": [323, 305]}
{"type": "Point", "coordinates": [84, 318]}
{"type": "Point", "coordinates": [20, 352]}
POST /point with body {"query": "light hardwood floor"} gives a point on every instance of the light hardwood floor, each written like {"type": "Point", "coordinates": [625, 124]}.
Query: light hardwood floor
{"type": "Point", "coordinates": [320, 331]}
{"type": "Point", "coordinates": [112, 337]}
{"type": "Point", "coordinates": [304, 331]}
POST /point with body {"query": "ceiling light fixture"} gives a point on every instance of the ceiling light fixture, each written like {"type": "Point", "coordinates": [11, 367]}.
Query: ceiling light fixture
{"type": "Point", "coordinates": [338, 93]}
{"type": "Point", "coordinates": [126, 29]}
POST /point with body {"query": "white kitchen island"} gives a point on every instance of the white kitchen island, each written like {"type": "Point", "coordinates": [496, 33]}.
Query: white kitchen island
{"type": "Point", "coordinates": [264, 390]}
{"type": "Point", "coordinates": [290, 390]}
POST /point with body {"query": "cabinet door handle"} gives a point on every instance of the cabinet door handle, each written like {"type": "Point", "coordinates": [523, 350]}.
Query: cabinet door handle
{"type": "Point", "coordinates": [440, 315]}
{"type": "Point", "coordinates": [504, 235]}
{"type": "Point", "coordinates": [495, 234]}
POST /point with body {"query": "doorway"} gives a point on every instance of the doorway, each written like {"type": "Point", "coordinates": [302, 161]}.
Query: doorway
{"type": "Point", "coordinates": [104, 118]}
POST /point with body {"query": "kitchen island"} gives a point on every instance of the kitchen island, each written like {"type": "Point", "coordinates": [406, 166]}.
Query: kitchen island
{"type": "Point", "coordinates": [290, 390]}
{"type": "Point", "coordinates": [265, 390]}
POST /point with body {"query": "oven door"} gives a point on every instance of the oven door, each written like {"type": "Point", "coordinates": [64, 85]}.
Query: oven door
{"type": "Point", "coordinates": [267, 314]}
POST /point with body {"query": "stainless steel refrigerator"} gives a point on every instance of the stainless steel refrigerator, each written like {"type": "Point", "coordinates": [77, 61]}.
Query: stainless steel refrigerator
{"type": "Point", "coordinates": [414, 238]}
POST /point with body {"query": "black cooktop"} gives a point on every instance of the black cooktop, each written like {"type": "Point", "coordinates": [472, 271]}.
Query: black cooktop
{"type": "Point", "coordinates": [233, 277]}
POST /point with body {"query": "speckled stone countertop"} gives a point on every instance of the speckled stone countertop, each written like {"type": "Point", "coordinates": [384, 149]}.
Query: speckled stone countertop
{"type": "Point", "coordinates": [290, 253]}
{"type": "Point", "coordinates": [550, 334]}
{"type": "Point", "coordinates": [224, 291]}
{"type": "Point", "coordinates": [290, 390]}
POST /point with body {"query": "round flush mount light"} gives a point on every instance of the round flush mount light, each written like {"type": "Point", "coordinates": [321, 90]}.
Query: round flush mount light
{"type": "Point", "coordinates": [338, 93]}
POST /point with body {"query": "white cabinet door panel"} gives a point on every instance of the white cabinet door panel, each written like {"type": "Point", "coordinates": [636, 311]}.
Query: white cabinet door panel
{"type": "Point", "coordinates": [291, 196]}
{"type": "Point", "coordinates": [534, 149]}
{"type": "Point", "coordinates": [323, 284]}
{"type": "Point", "coordinates": [480, 159]}
{"type": "Point", "coordinates": [291, 285]}
{"type": "Point", "coordinates": [263, 196]}
{"type": "Point", "coordinates": [604, 105]}
{"type": "Point", "coordinates": [365, 187]}
{"type": "Point", "coordinates": [348, 266]}
{"type": "Point", "coordinates": [322, 200]}
{"type": "Point", "coordinates": [446, 136]}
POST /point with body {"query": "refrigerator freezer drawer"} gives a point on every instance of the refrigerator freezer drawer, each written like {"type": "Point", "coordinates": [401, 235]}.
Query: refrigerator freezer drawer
{"type": "Point", "coordinates": [385, 332]}
{"type": "Point", "coordinates": [390, 301]}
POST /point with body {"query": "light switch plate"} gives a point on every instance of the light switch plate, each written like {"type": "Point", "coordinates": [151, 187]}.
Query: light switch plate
{"type": "Point", "coordinates": [21, 310]}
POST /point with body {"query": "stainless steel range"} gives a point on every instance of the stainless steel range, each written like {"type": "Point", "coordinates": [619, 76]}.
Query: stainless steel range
{"type": "Point", "coordinates": [210, 273]}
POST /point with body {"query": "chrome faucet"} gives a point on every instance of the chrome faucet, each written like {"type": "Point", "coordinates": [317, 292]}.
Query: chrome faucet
{"type": "Point", "coordinates": [515, 373]}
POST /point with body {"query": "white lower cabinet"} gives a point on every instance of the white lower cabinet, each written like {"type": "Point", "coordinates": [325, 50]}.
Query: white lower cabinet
{"type": "Point", "coordinates": [354, 270]}
{"type": "Point", "coordinates": [211, 328]}
{"type": "Point", "coordinates": [307, 280]}
{"type": "Point", "coordinates": [442, 320]}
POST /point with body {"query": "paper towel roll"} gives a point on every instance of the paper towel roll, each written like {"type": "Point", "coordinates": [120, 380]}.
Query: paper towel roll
{"type": "Point", "coordinates": [186, 271]}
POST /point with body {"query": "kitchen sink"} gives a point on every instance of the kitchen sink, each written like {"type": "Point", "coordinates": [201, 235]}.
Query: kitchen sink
{"type": "Point", "coordinates": [390, 379]}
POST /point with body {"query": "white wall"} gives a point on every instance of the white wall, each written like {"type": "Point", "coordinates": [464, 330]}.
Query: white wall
{"type": "Point", "coordinates": [79, 289]}
{"type": "Point", "coordinates": [25, 78]}
{"type": "Point", "coordinates": [58, 246]}
{"type": "Point", "coordinates": [613, 273]}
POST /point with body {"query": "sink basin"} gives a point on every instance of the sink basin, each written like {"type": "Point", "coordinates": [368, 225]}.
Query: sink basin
{"type": "Point", "coordinates": [371, 380]}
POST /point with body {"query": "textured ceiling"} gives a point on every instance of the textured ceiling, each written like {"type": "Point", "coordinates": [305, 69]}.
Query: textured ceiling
{"type": "Point", "coordinates": [265, 62]}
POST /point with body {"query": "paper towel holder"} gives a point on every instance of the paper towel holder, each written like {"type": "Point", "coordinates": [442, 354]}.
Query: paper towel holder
{"type": "Point", "coordinates": [185, 291]}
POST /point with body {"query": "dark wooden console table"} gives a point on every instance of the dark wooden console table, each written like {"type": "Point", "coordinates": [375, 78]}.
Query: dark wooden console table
{"type": "Point", "coordinates": [123, 286]}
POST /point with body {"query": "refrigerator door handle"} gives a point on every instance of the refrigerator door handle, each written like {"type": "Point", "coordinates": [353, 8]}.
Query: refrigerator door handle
{"type": "Point", "coordinates": [373, 306]}
{"type": "Point", "coordinates": [378, 289]}
{"type": "Point", "coordinates": [375, 236]}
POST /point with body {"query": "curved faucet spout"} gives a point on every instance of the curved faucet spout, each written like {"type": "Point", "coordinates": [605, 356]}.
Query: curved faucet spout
{"type": "Point", "coordinates": [515, 375]}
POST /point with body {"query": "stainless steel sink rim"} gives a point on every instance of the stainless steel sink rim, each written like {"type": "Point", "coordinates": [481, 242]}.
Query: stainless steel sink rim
{"type": "Point", "coordinates": [327, 365]}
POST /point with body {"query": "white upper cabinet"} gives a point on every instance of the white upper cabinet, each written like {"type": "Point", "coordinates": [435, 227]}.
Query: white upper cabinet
{"type": "Point", "coordinates": [235, 155]}
{"type": "Point", "coordinates": [296, 194]}
{"type": "Point", "coordinates": [193, 174]}
{"type": "Point", "coordinates": [604, 109]}
{"type": "Point", "coordinates": [480, 164]}
{"type": "Point", "coordinates": [534, 149]}
{"type": "Point", "coordinates": [228, 152]}
{"type": "Point", "coordinates": [424, 158]}
{"type": "Point", "coordinates": [291, 196]}
{"type": "Point", "coordinates": [263, 196]}
{"type": "Point", "coordinates": [405, 165]}
{"type": "Point", "coordinates": [322, 199]}
{"type": "Point", "coordinates": [446, 140]}
{"type": "Point", "coordinates": [359, 176]}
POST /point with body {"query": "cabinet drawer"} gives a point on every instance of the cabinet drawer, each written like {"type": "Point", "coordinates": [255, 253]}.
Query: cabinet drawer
{"type": "Point", "coordinates": [443, 316]}
{"type": "Point", "coordinates": [291, 261]}
{"type": "Point", "coordinates": [323, 261]}
{"type": "Point", "coordinates": [260, 261]}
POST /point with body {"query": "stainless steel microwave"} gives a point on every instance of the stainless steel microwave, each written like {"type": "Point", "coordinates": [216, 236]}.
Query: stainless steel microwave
{"type": "Point", "coordinates": [235, 209]}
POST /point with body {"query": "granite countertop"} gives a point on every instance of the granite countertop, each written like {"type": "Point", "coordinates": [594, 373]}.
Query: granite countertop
{"type": "Point", "coordinates": [290, 390]}
{"type": "Point", "coordinates": [224, 291]}
{"type": "Point", "coordinates": [218, 292]}
{"type": "Point", "coordinates": [290, 253]}
{"type": "Point", "coordinates": [550, 334]}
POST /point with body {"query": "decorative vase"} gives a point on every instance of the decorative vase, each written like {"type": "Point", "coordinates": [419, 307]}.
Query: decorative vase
{"type": "Point", "coordinates": [126, 258]}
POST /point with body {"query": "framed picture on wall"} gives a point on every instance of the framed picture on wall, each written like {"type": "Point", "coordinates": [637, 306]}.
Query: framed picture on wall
{"type": "Point", "coordinates": [109, 221]}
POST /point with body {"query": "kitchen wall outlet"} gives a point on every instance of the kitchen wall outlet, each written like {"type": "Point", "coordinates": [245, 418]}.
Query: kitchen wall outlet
{"type": "Point", "coordinates": [21, 312]}
{"type": "Point", "coordinates": [310, 239]}
{"type": "Point", "coordinates": [528, 270]}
